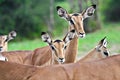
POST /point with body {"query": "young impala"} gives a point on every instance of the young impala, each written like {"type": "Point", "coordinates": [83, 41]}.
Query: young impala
{"type": "Point", "coordinates": [75, 21]}
{"type": "Point", "coordinates": [99, 52]}
{"type": "Point", "coordinates": [57, 47]}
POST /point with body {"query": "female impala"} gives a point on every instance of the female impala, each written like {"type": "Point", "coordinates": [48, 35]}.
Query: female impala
{"type": "Point", "coordinates": [99, 52]}
{"type": "Point", "coordinates": [75, 22]}
{"type": "Point", "coordinates": [58, 47]}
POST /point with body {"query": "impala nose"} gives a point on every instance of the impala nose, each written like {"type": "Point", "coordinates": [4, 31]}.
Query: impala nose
{"type": "Point", "coordinates": [81, 35]}
{"type": "Point", "coordinates": [1, 48]}
{"type": "Point", "coordinates": [61, 60]}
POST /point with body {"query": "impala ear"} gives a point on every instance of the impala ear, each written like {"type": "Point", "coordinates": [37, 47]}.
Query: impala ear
{"type": "Point", "coordinates": [70, 35]}
{"type": "Point", "coordinates": [103, 42]}
{"type": "Point", "coordinates": [89, 11]}
{"type": "Point", "coordinates": [46, 38]}
{"type": "Point", "coordinates": [62, 12]}
{"type": "Point", "coordinates": [11, 36]}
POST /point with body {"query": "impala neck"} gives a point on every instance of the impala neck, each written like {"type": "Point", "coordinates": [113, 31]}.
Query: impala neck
{"type": "Point", "coordinates": [72, 50]}
{"type": "Point", "coordinates": [92, 55]}
{"type": "Point", "coordinates": [53, 59]}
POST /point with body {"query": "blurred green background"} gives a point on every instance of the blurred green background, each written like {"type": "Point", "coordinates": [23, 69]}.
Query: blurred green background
{"type": "Point", "coordinates": [30, 17]}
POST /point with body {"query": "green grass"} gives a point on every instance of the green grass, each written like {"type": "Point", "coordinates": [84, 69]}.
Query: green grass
{"type": "Point", "coordinates": [111, 31]}
{"type": "Point", "coordinates": [26, 45]}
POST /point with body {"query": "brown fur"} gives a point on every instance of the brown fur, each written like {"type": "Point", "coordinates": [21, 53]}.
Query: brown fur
{"type": "Point", "coordinates": [72, 51]}
{"type": "Point", "coordinates": [105, 69]}
{"type": "Point", "coordinates": [22, 57]}
{"type": "Point", "coordinates": [92, 55]}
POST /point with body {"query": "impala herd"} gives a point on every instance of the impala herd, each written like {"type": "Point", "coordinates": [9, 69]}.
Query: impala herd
{"type": "Point", "coordinates": [57, 61]}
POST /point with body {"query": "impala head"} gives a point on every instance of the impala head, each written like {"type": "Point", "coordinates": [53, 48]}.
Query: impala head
{"type": "Point", "coordinates": [4, 40]}
{"type": "Point", "coordinates": [58, 46]}
{"type": "Point", "coordinates": [101, 48]}
{"type": "Point", "coordinates": [76, 19]}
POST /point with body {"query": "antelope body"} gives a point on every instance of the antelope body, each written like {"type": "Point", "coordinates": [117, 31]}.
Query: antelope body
{"type": "Point", "coordinates": [104, 69]}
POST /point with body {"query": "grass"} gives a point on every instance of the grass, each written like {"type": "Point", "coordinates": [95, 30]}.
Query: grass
{"type": "Point", "coordinates": [111, 31]}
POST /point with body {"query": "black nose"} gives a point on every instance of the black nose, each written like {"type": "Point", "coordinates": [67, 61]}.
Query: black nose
{"type": "Point", "coordinates": [106, 53]}
{"type": "Point", "coordinates": [0, 48]}
{"type": "Point", "coordinates": [81, 33]}
{"type": "Point", "coordinates": [61, 59]}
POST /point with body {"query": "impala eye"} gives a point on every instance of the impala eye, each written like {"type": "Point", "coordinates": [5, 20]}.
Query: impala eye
{"type": "Point", "coordinates": [65, 47]}
{"type": "Point", "coordinates": [52, 48]}
{"type": "Point", "coordinates": [71, 21]}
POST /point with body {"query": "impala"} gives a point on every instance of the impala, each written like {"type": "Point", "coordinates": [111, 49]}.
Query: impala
{"type": "Point", "coordinates": [99, 52]}
{"type": "Point", "coordinates": [4, 40]}
{"type": "Point", "coordinates": [75, 21]}
{"type": "Point", "coordinates": [57, 47]}
{"type": "Point", "coordinates": [104, 69]}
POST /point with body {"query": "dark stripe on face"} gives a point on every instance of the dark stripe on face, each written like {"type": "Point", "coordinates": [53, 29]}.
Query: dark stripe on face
{"type": "Point", "coordinates": [57, 41]}
{"type": "Point", "coordinates": [75, 14]}
{"type": "Point", "coordinates": [71, 22]}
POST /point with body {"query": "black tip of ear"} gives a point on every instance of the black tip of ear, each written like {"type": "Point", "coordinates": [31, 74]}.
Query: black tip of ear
{"type": "Point", "coordinates": [58, 7]}
{"type": "Point", "coordinates": [103, 39]}
{"type": "Point", "coordinates": [73, 31]}
{"type": "Point", "coordinates": [94, 6]}
{"type": "Point", "coordinates": [42, 33]}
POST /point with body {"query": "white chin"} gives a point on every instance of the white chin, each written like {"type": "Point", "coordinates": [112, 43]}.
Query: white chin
{"type": "Point", "coordinates": [61, 61]}
{"type": "Point", "coordinates": [81, 36]}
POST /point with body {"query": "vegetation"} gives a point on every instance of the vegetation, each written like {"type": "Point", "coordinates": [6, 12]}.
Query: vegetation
{"type": "Point", "coordinates": [30, 17]}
